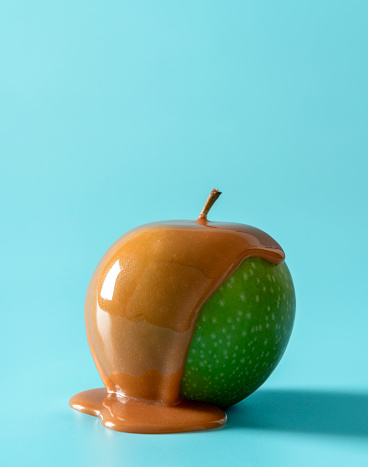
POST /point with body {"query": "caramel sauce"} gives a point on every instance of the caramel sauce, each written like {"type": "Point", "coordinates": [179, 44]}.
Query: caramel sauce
{"type": "Point", "coordinates": [142, 306]}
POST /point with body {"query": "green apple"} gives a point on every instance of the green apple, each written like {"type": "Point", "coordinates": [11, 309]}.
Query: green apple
{"type": "Point", "coordinates": [172, 296]}
{"type": "Point", "coordinates": [241, 334]}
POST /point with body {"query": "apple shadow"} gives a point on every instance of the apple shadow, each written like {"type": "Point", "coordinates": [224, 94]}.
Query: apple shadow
{"type": "Point", "coordinates": [299, 411]}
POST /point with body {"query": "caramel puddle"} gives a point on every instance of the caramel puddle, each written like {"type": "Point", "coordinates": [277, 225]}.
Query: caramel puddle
{"type": "Point", "coordinates": [142, 306]}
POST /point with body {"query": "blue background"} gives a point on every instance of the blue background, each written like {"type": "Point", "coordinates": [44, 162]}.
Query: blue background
{"type": "Point", "coordinates": [114, 114]}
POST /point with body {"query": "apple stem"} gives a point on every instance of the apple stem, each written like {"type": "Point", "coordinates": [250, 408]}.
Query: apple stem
{"type": "Point", "coordinates": [213, 196]}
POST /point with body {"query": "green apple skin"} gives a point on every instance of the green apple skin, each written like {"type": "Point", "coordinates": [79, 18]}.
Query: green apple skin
{"type": "Point", "coordinates": [241, 334]}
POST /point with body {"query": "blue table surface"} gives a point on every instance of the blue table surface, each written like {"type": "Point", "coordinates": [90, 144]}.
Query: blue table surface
{"type": "Point", "coordinates": [115, 114]}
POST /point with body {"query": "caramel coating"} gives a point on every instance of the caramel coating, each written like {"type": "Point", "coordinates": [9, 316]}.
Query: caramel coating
{"type": "Point", "coordinates": [142, 306]}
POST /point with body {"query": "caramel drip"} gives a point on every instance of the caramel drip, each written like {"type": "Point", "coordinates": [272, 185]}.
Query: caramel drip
{"type": "Point", "coordinates": [142, 306]}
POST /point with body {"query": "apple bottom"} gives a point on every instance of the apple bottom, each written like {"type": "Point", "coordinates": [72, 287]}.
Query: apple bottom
{"type": "Point", "coordinates": [136, 416]}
